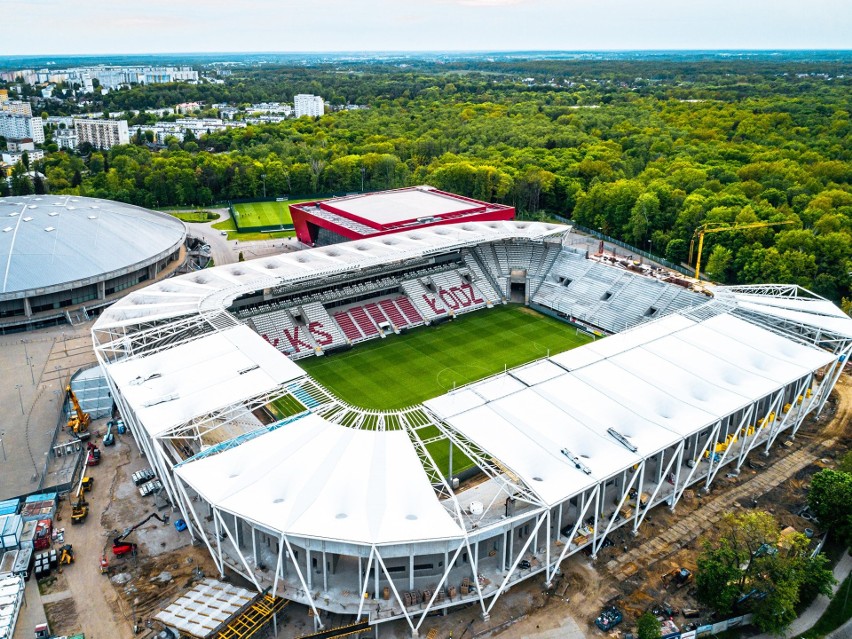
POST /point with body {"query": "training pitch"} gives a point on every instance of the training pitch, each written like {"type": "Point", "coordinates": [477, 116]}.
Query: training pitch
{"type": "Point", "coordinates": [262, 214]}
{"type": "Point", "coordinates": [402, 370]}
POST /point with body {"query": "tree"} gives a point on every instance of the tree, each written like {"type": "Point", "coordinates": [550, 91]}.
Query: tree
{"type": "Point", "coordinates": [25, 158]}
{"type": "Point", "coordinates": [648, 627]}
{"type": "Point", "coordinates": [748, 566]}
{"type": "Point", "coordinates": [677, 250]}
{"type": "Point", "coordinates": [830, 497]}
{"type": "Point", "coordinates": [717, 263]}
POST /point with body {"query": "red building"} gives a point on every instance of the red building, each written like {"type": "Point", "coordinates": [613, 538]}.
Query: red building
{"type": "Point", "coordinates": [354, 217]}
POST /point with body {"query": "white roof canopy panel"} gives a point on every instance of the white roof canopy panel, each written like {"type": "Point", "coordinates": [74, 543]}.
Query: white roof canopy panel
{"type": "Point", "coordinates": [171, 387]}
{"type": "Point", "coordinates": [535, 460]}
{"type": "Point", "coordinates": [645, 399]}
{"type": "Point", "coordinates": [599, 412]}
{"type": "Point", "coordinates": [807, 305]}
{"type": "Point", "coordinates": [316, 479]}
{"type": "Point", "coordinates": [642, 334]}
{"type": "Point", "coordinates": [683, 383]}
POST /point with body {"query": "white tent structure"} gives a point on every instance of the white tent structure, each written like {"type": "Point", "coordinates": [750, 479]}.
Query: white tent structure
{"type": "Point", "coordinates": [346, 510]}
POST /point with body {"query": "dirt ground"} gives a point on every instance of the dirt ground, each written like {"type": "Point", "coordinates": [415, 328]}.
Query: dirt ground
{"type": "Point", "coordinates": [587, 587]}
{"type": "Point", "coordinates": [81, 599]}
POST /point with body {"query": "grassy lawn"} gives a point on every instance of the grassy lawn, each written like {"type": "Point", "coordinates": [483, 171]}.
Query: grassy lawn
{"type": "Point", "coordinates": [407, 369]}
{"type": "Point", "coordinates": [229, 226]}
{"type": "Point", "coordinates": [195, 216]}
{"type": "Point", "coordinates": [265, 213]}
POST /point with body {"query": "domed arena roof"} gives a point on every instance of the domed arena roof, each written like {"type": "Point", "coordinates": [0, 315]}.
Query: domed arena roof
{"type": "Point", "coordinates": [55, 241]}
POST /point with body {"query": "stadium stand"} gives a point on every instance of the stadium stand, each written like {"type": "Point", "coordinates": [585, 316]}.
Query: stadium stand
{"type": "Point", "coordinates": [609, 298]}
{"type": "Point", "coordinates": [561, 279]}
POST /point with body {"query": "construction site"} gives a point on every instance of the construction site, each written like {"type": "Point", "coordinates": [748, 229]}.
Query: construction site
{"type": "Point", "coordinates": [146, 490]}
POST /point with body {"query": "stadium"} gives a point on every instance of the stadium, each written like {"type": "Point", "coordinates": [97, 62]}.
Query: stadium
{"type": "Point", "coordinates": [397, 513]}
{"type": "Point", "coordinates": [66, 257]}
{"type": "Point", "coordinates": [363, 215]}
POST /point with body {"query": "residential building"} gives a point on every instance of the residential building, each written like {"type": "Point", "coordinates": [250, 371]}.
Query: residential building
{"type": "Point", "coordinates": [21, 144]}
{"type": "Point", "coordinates": [16, 107]}
{"type": "Point", "coordinates": [65, 138]}
{"type": "Point", "coordinates": [102, 134]}
{"type": "Point", "coordinates": [21, 126]}
{"type": "Point", "coordinates": [310, 105]}
{"type": "Point", "coordinates": [13, 157]}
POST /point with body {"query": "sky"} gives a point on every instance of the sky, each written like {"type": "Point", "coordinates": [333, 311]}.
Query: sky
{"type": "Point", "coordinates": [33, 27]}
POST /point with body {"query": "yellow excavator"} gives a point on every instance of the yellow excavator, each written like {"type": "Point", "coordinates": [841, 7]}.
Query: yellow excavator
{"type": "Point", "coordinates": [79, 421]}
{"type": "Point", "coordinates": [80, 507]}
{"type": "Point", "coordinates": [712, 227]}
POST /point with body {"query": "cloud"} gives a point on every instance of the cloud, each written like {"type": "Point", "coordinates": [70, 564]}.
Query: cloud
{"type": "Point", "coordinates": [487, 3]}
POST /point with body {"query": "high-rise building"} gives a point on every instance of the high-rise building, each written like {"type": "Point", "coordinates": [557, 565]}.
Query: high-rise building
{"type": "Point", "coordinates": [15, 126]}
{"type": "Point", "coordinates": [102, 134]}
{"type": "Point", "coordinates": [16, 107]}
{"type": "Point", "coordinates": [306, 104]}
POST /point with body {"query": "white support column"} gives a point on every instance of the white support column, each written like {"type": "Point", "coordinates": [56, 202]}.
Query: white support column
{"type": "Point", "coordinates": [748, 415]}
{"type": "Point", "coordinates": [218, 543]}
{"type": "Point", "coordinates": [676, 455]}
{"type": "Point", "coordinates": [324, 570]}
{"type": "Point", "coordinates": [307, 590]}
{"type": "Point", "coordinates": [830, 379]}
{"type": "Point", "coordinates": [714, 432]}
{"type": "Point", "coordinates": [514, 565]}
{"type": "Point", "coordinates": [202, 532]}
{"type": "Point", "coordinates": [677, 474]}
{"type": "Point", "coordinates": [639, 488]}
{"type": "Point", "coordinates": [437, 590]}
{"type": "Point", "coordinates": [595, 546]}
{"type": "Point", "coordinates": [381, 563]}
{"type": "Point", "coordinates": [308, 568]}
{"type": "Point", "coordinates": [279, 571]}
{"type": "Point", "coordinates": [363, 582]}
{"type": "Point", "coordinates": [254, 546]}
{"type": "Point", "coordinates": [411, 570]}
{"type": "Point", "coordinates": [748, 442]}
{"type": "Point", "coordinates": [233, 540]}
{"type": "Point", "coordinates": [564, 553]}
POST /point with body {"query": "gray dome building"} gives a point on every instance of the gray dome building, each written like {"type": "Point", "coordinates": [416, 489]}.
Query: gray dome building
{"type": "Point", "coordinates": [64, 258]}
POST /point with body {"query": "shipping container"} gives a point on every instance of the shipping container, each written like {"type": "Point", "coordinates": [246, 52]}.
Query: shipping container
{"type": "Point", "coordinates": [10, 531]}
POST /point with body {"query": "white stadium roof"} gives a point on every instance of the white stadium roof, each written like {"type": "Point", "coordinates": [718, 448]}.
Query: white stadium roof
{"type": "Point", "coordinates": [326, 481]}
{"type": "Point", "coordinates": [174, 386]}
{"type": "Point", "coordinates": [654, 385]}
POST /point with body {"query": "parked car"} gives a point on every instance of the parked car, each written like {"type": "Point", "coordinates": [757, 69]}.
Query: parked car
{"type": "Point", "coordinates": [609, 618]}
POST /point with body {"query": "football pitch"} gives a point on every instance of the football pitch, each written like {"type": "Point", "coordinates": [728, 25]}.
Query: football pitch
{"type": "Point", "coordinates": [262, 214]}
{"type": "Point", "coordinates": [402, 370]}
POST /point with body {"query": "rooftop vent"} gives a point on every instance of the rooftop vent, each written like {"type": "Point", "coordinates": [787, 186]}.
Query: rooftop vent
{"type": "Point", "coordinates": [27, 219]}
{"type": "Point", "coordinates": [49, 228]}
{"type": "Point", "coordinates": [53, 213]}
{"type": "Point", "coordinates": [621, 439]}
{"type": "Point", "coordinates": [93, 217]}
{"type": "Point", "coordinates": [7, 229]}
{"type": "Point", "coordinates": [576, 461]}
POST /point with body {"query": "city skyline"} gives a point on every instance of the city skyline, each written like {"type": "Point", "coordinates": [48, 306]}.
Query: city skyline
{"type": "Point", "coordinates": [432, 25]}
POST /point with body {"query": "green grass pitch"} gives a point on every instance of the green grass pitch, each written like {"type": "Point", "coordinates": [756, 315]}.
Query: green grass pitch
{"type": "Point", "coordinates": [425, 362]}
{"type": "Point", "coordinates": [263, 213]}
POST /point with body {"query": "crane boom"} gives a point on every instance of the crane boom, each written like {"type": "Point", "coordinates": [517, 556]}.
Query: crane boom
{"type": "Point", "coordinates": [79, 422]}
{"type": "Point", "coordinates": [702, 230]}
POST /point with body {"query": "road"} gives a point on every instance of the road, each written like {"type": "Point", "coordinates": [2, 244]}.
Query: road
{"type": "Point", "coordinates": [224, 251]}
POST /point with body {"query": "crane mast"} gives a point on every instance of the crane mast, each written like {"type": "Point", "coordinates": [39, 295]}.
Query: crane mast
{"type": "Point", "coordinates": [702, 230]}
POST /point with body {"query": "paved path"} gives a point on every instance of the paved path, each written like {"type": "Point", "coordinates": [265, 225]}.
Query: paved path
{"type": "Point", "coordinates": [812, 614]}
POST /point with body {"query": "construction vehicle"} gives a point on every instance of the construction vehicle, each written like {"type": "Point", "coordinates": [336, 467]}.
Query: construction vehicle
{"type": "Point", "coordinates": [109, 438]}
{"type": "Point", "coordinates": [66, 555]}
{"type": "Point", "coordinates": [122, 547]}
{"type": "Point", "coordinates": [80, 507]}
{"type": "Point", "coordinates": [93, 458]}
{"type": "Point", "coordinates": [711, 227]}
{"type": "Point", "coordinates": [79, 421]}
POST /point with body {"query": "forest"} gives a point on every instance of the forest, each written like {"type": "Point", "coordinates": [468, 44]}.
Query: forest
{"type": "Point", "coordinates": [646, 151]}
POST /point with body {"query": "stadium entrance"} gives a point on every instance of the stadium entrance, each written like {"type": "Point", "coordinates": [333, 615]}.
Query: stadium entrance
{"type": "Point", "coordinates": [518, 286]}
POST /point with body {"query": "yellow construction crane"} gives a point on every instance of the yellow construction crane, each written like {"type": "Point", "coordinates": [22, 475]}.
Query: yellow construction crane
{"type": "Point", "coordinates": [79, 421]}
{"type": "Point", "coordinates": [702, 230]}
